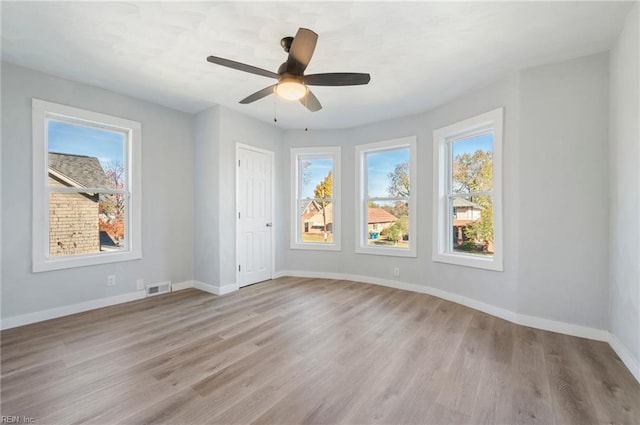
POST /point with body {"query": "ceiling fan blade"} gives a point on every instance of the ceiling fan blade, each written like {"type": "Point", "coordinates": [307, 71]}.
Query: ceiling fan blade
{"type": "Point", "coordinates": [311, 102]}
{"type": "Point", "coordinates": [241, 67]}
{"type": "Point", "coordinates": [258, 95]}
{"type": "Point", "coordinates": [337, 79]}
{"type": "Point", "coordinates": [304, 43]}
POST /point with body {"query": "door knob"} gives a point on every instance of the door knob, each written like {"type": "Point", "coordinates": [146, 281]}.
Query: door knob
{"type": "Point", "coordinates": [269, 224]}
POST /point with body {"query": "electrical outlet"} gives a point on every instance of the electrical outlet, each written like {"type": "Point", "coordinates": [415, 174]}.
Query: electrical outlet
{"type": "Point", "coordinates": [140, 285]}
{"type": "Point", "coordinates": [396, 271]}
{"type": "Point", "coordinates": [111, 280]}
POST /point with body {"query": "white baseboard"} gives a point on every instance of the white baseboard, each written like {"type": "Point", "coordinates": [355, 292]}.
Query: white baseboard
{"type": "Point", "coordinates": [216, 290]}
{"type": "Point", "coordinates": [39, 316]}
{"type": "Point", "coordinates": [563, 327]}
{"type": "Point", "coordinates": [625, 355]}
{"type": "Point", "coordinates": [179, 286]}
{"type": "Point", "coordinates": [226, 289]}
{"type": "Point", "coordinates": [511, 316]}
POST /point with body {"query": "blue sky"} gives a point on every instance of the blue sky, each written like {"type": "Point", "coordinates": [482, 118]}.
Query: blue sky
{"type": "Point", "coordinates": [472, 144]}
{"type": "Point", "coordinates": [379, 165]}
{"type": "Point", "coordinates": [106, 145]}
{"type": "Point", "coordinates": [316, 171]}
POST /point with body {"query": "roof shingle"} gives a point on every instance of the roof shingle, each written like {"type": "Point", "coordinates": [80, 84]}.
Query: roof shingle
{"type": "Point", "coordinates": [83, 171]}
{"type": "Point", "coordinates": [378, 215]}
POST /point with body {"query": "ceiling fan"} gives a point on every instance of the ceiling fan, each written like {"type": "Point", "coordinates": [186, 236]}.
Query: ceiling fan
{"type": "Point", "coordinates": [292, 83]}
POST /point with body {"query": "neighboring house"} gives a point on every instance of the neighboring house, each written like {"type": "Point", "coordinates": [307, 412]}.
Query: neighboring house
{"type": "Point", "coordinates": [73, 217]}
{"type": "Point", "coordinates": [307, 210]}
{"type": "Point", "coordinates": [316, 223]}
{"type": "Point", "coordinates": [465, 213]}
{"type": "Point", "coordinates": [379, 219]}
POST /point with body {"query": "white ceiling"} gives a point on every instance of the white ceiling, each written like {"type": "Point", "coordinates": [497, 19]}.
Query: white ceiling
{"type": "Point", "coordinates": [419, 54]}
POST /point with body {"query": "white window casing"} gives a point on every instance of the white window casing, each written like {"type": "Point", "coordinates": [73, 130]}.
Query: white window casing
{"type": "Point", "coordinates": [443, 139]}
{"type": "Point", "coordinates": [42, 111]}
{"type": "Point", "coordinates": [298, 155]}
{"type": "Point", "coordinates": [361, 246]}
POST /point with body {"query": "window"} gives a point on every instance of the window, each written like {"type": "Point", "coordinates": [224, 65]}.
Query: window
{"type": "Point", "coordinates": [86, 187]}
{"type": "Point", "coordinates": [386, 188]}
{"type": "Point", "coordinates": [315, 178]}
{"type": "Point", "coordinates": [467, 224]}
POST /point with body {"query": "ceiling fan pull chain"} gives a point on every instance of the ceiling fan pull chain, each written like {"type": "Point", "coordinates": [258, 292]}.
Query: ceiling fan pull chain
{"type": "Point", "coordinates": [275, 110]}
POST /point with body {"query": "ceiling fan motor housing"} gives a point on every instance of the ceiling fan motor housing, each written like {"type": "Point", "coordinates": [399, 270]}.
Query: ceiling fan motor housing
{"type": "Point", "coordinates": [286, 43]}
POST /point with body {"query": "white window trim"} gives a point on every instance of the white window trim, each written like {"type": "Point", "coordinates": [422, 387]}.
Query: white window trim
{"type": "Point", "coordinates": [334, 152]}
{"type": "Point", "coordinates": [361, 200]}
{"type": "Point", "coordinates": [441, 225]}
{"type": "Point", "coordinates": [42, 261]}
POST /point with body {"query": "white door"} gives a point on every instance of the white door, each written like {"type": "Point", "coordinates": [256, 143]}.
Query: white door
{"type": "Point", "coordinates": [254, 247]}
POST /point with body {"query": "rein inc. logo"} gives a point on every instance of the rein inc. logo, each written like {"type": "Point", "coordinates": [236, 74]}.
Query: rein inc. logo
{"type": "Point", "coordinates": [6, 419]}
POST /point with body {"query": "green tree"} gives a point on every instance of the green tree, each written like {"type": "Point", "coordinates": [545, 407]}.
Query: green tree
{"type": "Point", "coordinates": [482, 229]}
{"type": "Point", "coordinates": [112, 206]}
{"type": "Point", "coordinates": [399, 180]}
{"type": "Point", "coordinates": [324, 190]}
{"type": "Point", "coordinates": [397, 230]}
{"type": "Point", "coordinates": [392, 233]}
{"type": "Point", "coordinates": [306, 174]}
{"type": "Point", "coordinates": [474, 173]}
{"type": "Point", "coordinates": [399, 187]}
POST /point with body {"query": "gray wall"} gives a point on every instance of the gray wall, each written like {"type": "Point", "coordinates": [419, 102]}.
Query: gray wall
{"type": "Point", "coordinates": [206, 215]}
{"type": "Point", "coordinates": [217, 132]}
{"type": "Point", "coordinates": [554, 194]}
{"type": "Point", "coordinates": [167, 198]}
{"type": "Point", "coordinates": [487, 286]}
{"type": "Point", "coordinates": [625, 188]}
{"type": "Point", "coordinates": [563, 191]}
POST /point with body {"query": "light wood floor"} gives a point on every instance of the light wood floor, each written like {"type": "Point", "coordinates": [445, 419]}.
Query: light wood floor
{"type": "Point", "coordinates": [294, 351]}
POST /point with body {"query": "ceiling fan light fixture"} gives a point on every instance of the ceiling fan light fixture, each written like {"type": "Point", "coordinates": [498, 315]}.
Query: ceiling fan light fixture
{"type": "Point", "coordinates": [291, 89]}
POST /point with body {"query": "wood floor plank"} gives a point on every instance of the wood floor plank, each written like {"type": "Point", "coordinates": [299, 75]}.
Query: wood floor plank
{"type": "Point", "coordinates": [531, 394]}
{"type": "Point", "coordinates": [611, 391]}
{"type": "Point", "coordinates": [571, 402]}
{"type": "Point", "coordinates": [299, 350]}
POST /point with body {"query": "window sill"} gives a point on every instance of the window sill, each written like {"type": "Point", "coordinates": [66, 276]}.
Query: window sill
{"type": "Point", "coordinates": [84, 260]}
{"type": "Point", "coordinates": [389, 252]}
{"type": "Point", "coordinates": [493, 264]}
{"type": "Point", "coordinates": [316, 246]}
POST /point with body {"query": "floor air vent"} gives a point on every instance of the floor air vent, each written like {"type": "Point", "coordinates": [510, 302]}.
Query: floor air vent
{"type": "Point", "coordinates": [158, 288]}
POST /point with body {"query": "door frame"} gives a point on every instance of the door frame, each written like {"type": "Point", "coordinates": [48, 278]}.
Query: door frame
{"type": "Point", "coordinates": [271, 156]}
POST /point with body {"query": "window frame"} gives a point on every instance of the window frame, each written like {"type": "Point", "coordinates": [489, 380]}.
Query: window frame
{"type": "Point", "coordinates": [362, 198]}
{"type": "Point", "coordinates": [296, 154]}
{"type": "Point", "coordinates": [443, 139]}
{"type": "Point", "coordinates": [42, 111]}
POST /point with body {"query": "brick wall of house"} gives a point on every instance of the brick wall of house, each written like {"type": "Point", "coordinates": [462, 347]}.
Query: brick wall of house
{"type": "Point", "coordinates": [73, 223]}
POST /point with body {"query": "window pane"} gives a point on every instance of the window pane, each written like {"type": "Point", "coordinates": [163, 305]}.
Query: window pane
{"type": "Point", "coordinates": [316, 221]}
{"type": "Point", "coordinates": [388, 173]}
{"type": "Point", "coordinates": [388, 224]}
{"type": "Point", "coordinates": [316, 180]}
{"type": "Point", "coordinates": [84, 223]}
{"type": "Point", "coordinates": [83, 156]}
{"type": "Point", "coordinates": [472, 224]}
{"type": "Point", "coordinates": [472, 164]}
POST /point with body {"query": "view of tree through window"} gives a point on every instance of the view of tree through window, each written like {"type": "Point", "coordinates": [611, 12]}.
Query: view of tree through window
{"type": "Point", "coordinates": [470, 197]}
{"type": "Point", "coordinates": [388, 192]}
{"type": "Point", "coordinates": [315, 199]}
{"type": "Point", "coordinates": [87, 188]}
